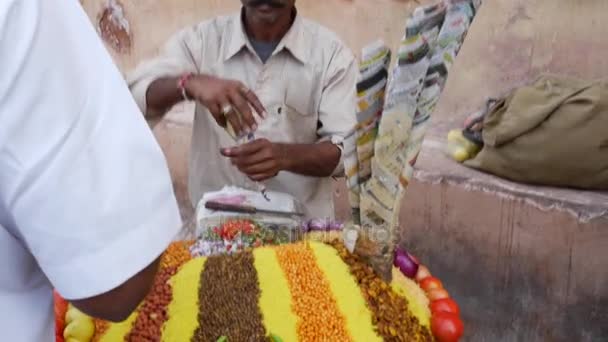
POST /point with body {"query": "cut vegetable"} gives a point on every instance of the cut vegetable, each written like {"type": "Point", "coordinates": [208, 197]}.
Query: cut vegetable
{"type": "Point", "coordinates": [446, 327]}
{"type": "Point", "coordinates": [430, 283]}
{"type": "Point", "coordinates": [436, 294]}
{"type": "Point", "coordinates": [422, 273]}
{"type": "Point", "coordinates": [445, 305]}
{"type": "Point", "coordinates": [405, 264]}
{"type": "Point", "coordinates": [317, 224]}
{"type": "Point", "coordinates": [275, 338]}
{"type": "Point", "coordinates": [335, 225]}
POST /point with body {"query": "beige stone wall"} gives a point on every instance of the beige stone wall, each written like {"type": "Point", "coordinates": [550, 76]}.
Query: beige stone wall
{"type": "Point", "coordinates": [151, 22]}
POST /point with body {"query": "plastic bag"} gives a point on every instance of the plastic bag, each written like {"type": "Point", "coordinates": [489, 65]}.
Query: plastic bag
{"type": "Point", "coordinates": [207, 219]}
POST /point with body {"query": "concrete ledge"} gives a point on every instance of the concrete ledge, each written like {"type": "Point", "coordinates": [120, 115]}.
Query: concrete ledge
{"type": "Point", "coordinates": [519, 273]}
{"type": "Point", "coordinates": [434, 167]}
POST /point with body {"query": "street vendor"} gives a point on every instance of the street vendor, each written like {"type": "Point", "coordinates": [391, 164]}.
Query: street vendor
{"type": "Point", "coordinates": [268, 72]}
{"type": "Point", "coordinates": [86, 200]}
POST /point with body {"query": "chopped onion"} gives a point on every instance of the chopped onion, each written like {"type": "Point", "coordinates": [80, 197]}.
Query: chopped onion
{"type": "Point", "coordinates": [414, 259]}
{"type": "Point", "coordinates": [405, 264]}
{"type": "Point", "coordinates": [317, 224]}
{"type": "Point", "coordinates": [335, 225]}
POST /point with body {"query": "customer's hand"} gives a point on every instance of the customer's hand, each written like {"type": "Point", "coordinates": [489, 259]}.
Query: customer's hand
{"type": "Point", "coordinates": [259, 160]}
{"type": "Point", "coordinates": [226, 99]}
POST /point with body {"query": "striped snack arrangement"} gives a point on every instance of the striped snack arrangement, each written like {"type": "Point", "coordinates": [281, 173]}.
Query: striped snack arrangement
{"type": "Point", "coordinates": [297, 292]}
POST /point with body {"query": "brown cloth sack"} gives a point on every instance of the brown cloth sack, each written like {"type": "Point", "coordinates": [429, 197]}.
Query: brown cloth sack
{"type": "Point", "coordinates": [553, 132]}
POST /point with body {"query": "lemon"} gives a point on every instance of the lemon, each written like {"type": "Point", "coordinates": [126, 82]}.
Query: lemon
{"type": "Point", "coordinates": [81, 329]}
{"type": "Point", "coordinates": [73, 314]}
{"type": "Point", "coordinates": [459, 147]}
{"type": "Point", "coordinates": [460, 155]}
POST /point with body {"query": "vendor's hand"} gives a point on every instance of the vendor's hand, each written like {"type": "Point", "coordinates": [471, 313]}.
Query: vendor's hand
{"type": "Point", "coordinates": [259, 160]}
{"type": "Point", "coordinates": [225, 99]}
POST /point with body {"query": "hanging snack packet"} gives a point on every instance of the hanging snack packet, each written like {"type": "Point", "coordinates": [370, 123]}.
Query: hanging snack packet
{"type": "Point", "coordinates": [371, 92]}
{"type": "Point", "coordinates": [381, 195]}
{"type": "Point", "coordinates": [425, 19]}
{"type": "Point", "coordinates": [457, 21]}
{"type": "Point", "coordinates": [351, 171]}
{"type": "Point", "coordinates": [374, 57]}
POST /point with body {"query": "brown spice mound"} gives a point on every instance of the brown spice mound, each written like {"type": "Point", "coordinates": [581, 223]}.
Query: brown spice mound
{"type": "Point", "coordinates": [390, 313]}
{"type": "Point", "coordinates": [228, 297]}
{"type": "Point", "coordinates": [153, 311]}
{"type": "Point", "coordinates": [100, 328]}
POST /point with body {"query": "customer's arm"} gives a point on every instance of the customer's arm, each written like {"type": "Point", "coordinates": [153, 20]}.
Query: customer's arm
{"type": "Point", "coordinates": [116, 305]}
{"type": "Point", "coordinates": [86, 185]}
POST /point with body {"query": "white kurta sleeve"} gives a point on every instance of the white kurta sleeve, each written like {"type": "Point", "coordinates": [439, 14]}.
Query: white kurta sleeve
{"type": "Point", "coordinates": [85, 184]}
{"type": "Point", "coordinates": [337, 110]}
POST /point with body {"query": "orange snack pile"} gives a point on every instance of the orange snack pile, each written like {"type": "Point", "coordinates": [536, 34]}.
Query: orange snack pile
{"type": "Point", "coordinates": [319, 316]}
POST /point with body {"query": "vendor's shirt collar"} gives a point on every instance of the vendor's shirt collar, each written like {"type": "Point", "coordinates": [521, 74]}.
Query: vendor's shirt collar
{"type": "Point", "coordinates": [294, 40]}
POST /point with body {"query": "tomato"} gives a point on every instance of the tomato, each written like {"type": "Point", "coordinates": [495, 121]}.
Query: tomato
{"type": "Point", "coordinates": [422, 273]}
{"type": "Point", "coordinates": [60, 308]}
{"type": "Point", "coordinates": [430, 283]}
{"type": "Point", "coordinates": [446, 327]}
{"type": "Point", "coordinates": [436, 294]}
{"type": "Point", "coordinates": [445, 305]}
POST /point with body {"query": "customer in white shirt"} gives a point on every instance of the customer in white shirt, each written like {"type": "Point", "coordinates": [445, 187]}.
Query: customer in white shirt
{"type": "Point", "coordinates": [86, 202]}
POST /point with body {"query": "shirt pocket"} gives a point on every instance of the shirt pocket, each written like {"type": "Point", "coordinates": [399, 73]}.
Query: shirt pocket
{"type": "Point", "coordinates": [299, 121]}
{"type": "Point", "coordinates": [299, 109]}
{"type": "Point", "coordinates": [300, 97]}
{"type": "Point", "coordinates": [290, 104]}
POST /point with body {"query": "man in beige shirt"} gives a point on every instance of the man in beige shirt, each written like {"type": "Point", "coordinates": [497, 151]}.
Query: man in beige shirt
{"type": "Point", "coordinates": [291, 81]}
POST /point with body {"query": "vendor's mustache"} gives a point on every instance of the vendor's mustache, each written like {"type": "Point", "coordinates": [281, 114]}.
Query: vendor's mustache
{"type": "Point", "coordinates": [271, 3]}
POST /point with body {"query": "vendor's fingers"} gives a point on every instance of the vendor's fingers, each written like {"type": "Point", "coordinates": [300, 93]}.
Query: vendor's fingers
{"type": "Point", "coordinates": [261, 177]}
{"type": "Point", "coordinates": [252, 98]}
{"type": "Point", "coordinates": [216, 110]}
{"type": "Point", "coordinates": [263, 167]}
{"type": "Point", "coordinates": [246, 161]}
{"type": "Point", "coordinates": [242, 106]}
{"type": "Point", "coordinates": [246, 149]}
{"type": "Point", "coordinates": [231, 116]}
